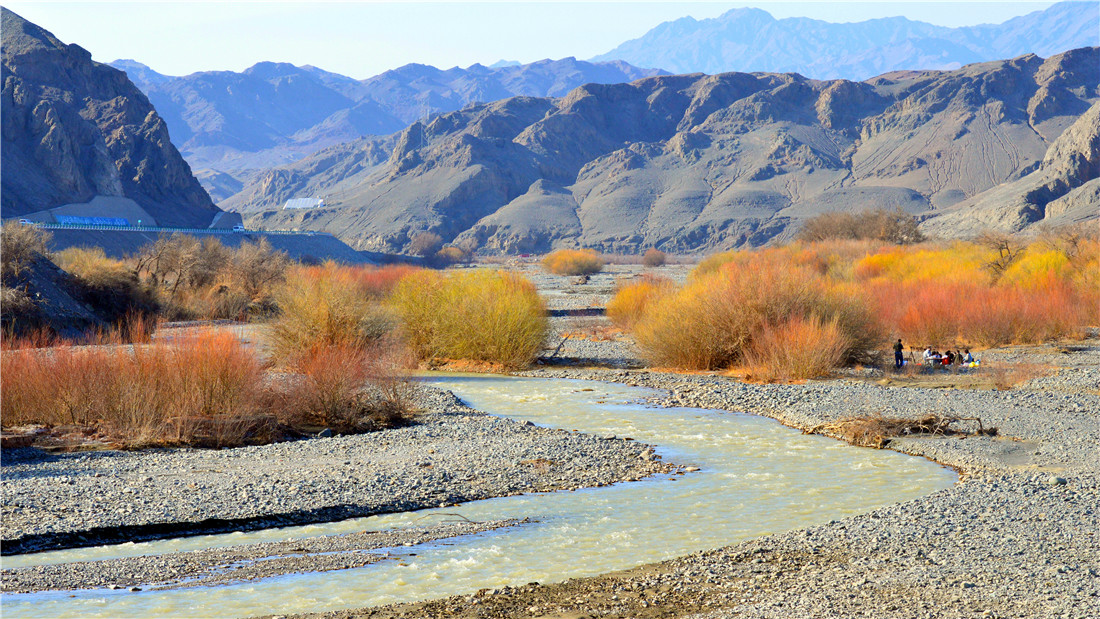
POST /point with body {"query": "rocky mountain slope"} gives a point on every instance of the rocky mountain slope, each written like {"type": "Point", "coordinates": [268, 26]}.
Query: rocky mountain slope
{"type": "Point", "coordinates": [1065, 189]}
{"type": "Point", "coordinates": [688, 162]}
{"type": "Point", "coordinates": [752, 40]}
{"type": "Point", "coordinates": [74, 129]}
{"type": "Point", "coordinates": [276, 113]}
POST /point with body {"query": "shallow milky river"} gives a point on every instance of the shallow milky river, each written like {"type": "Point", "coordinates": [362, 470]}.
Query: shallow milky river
{"type": "Point", "coordinates": [756, 477]}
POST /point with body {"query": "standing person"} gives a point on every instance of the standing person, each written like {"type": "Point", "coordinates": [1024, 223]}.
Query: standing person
{"type": "Point", "coordinates": [898, 359]}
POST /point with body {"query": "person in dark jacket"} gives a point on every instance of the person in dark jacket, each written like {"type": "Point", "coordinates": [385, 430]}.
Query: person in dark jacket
{"type": "Point", "coordinates": [898, 359]}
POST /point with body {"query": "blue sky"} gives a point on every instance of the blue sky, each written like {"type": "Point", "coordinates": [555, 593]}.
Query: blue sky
{"type": "Point", "coordinates": [361, 39]}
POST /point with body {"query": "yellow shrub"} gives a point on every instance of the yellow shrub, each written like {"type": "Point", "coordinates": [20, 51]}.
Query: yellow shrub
{"type": "Point", "coordinates": [1035, 266]}
{"type": "Point", "coordinates": [714, 262]}
{"type": "Point", "coordinates": [479, 315]}
{"type": "Point", "coordinates": [325, 306]}
{"type": "Point", "coordinates": [93, 266]}
{"type": "Point", "coordinates": [573, 262]}
{"type": "Point", "coordinates": [631, 301]}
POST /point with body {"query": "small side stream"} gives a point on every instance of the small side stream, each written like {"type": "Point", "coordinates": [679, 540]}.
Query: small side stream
{"type": "Point", "coordinates": [757, 477]}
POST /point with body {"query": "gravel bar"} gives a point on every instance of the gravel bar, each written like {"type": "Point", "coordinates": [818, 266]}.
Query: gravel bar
{"type": "Point", "coordinates": [1018, 536]}
{"type": "Point", "coordinates": [233, 564]}
{"type": "Point", "coordinates": [451, 454]}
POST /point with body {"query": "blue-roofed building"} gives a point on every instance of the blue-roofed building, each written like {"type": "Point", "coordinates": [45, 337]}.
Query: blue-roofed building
{"type": "Point", "coordinates": [74, 220]}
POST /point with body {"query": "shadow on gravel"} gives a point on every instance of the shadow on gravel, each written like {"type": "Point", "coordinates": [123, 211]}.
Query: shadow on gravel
{"type": "Point", "coordinates": [104, 536]}
{"type": "Point", "coordinates": [32, 455]}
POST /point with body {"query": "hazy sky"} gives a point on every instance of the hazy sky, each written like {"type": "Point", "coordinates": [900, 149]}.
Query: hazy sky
{"type": "Point", "coordinates": [361, 39]}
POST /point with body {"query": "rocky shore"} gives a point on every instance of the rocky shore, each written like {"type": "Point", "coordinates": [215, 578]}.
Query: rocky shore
{"type": "Point", "coordinates": [451, 454]}
{"type": "Point", "coordinates": [1018, 536]}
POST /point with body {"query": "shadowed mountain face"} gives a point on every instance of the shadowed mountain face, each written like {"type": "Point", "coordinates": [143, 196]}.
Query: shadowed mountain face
{"type": "Point", "coordinates": [752, 40]}
{"type": "Point", "coordinates": [688, 162]}
{"type": "Point", "coordinates": [74, 129]}
{"type": "Point", "coordinates": [276, 113]}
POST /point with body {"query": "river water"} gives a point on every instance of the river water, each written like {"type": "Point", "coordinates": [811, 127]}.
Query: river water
{"type": "Point", "coordinates": [756, 477]}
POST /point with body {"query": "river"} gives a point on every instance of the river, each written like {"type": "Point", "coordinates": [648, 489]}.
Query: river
{"type": "Point", "coordinates": [756, 477]}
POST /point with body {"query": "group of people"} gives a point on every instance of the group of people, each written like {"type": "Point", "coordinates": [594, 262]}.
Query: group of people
{"type": "Point", "coordinates": [933, 358]}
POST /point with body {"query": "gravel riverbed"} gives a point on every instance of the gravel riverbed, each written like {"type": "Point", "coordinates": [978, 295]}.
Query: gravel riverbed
{"type": "Point", "coordinates": [451, 454]}
{"type": "Point", "coordinates": [216, 566]}
{"type": "Point", "coordinates": [1018, 536]}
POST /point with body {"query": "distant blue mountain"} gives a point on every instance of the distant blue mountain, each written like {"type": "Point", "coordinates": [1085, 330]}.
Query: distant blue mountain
{"type": "Point", "coordinates": [752, 40]}
{"type": "Point", "coordinates": [274, 113]}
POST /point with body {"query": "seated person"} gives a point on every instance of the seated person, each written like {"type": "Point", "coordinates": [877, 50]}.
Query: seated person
{"type": "Point", "coordinates": [967, 357]}
{"type": "Point", "coordinates": [948, 357]}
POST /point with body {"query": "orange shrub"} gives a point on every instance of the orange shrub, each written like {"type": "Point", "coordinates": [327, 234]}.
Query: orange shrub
{"type": "Point", "coordinates": [346, 388]}
{"type": "Point", "coordinates": [573, 262]}
{"type": "Point", "coordinates": [157, 393]}
{"type": "Point", "coordinates": [932, 294]}
{"type": "Point", "coordinates": [205, 390]}
{"type": "Point", "coordinates": [630, 302]}
{"type": "Point", "coordinates": [933, 314]}
{"type": "Point", "coordinates": [372, 281]}
{"type": "Point", "coordinates": [709, 323]}
{"type": "Point", "coordinates": [798, 349]}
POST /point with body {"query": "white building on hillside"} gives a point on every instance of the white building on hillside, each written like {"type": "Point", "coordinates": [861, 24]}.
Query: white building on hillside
{"type": "Point", "coordinates": [304, 203]}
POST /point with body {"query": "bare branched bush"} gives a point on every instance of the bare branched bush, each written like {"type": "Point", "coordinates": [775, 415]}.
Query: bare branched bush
{"type": "Point", "coordinates": [882, 225]}
{"type": "Point", "coordinates": [653, 258]}
{"type": "Point", "coordinates": [425, 244]}
{"type": "Point", "coordinates": [1005, 249]}
{"type": "Point", "coordinates": [19, 245]}
{"type": "Point", "coordinates": [206, 279]}
{"type": "Point", "coordinates": [448, 256]}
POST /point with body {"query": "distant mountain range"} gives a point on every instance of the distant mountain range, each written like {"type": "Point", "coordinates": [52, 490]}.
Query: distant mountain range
{"type": "Point", "coordinates": [752, 40]}
{"type": "Point", "coordinates": [275, 113]}
{"type": "Point", "coordinates": [695, 163]}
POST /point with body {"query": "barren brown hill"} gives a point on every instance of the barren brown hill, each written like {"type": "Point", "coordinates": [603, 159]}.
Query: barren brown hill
{"type": "Point", "coordinates": [690, 162]}
{"type": "Point", "coordinates": [74, 129]}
